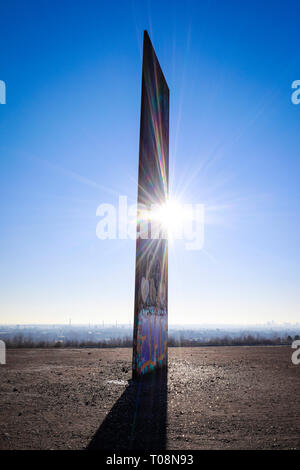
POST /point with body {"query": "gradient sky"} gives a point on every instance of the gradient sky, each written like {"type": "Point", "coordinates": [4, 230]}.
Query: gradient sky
{"type": "Point", "coordinates": [69, 137]}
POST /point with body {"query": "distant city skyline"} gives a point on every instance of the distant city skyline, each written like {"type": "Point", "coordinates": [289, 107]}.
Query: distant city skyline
{"type": "Point", "coordinates": [69, 139]}
{"type": "Point", "coordinates": [114, 335]}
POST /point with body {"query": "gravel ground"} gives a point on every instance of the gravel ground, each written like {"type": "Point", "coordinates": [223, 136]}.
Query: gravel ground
{"type": "Point", "coordinates": [212, 398]}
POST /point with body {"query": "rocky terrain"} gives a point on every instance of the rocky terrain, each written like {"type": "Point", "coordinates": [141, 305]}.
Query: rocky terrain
{"type": "Point", "coordinates": [211, 398]}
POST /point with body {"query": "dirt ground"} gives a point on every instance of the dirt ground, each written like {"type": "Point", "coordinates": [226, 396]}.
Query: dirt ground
{"type": "Point", "coordinates": [213, 398]}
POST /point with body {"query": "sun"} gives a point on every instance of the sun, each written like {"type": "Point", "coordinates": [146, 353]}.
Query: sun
{"type": "Point", "coordinates": [171, 216]}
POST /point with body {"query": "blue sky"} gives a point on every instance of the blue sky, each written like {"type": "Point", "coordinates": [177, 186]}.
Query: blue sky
{"type": "Point", "coordinates": [69, 142]}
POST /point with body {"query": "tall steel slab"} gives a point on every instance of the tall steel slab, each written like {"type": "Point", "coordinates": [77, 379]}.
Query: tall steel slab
{"type": "Point", "coordinates": [151, 281]}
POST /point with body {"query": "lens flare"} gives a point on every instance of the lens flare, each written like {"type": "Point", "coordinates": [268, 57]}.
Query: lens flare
{"type": "Point", "coordinates": [171, 216]}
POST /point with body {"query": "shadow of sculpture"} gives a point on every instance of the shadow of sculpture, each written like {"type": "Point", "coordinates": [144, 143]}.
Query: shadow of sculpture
{"type": "Point", "coordinates": [138, 418]}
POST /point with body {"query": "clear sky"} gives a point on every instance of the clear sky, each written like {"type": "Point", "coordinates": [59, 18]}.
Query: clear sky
{"type": "Point", "coordinates": [69, 142]}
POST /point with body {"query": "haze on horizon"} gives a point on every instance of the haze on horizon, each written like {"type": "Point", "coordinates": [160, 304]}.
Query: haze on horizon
{"type": "Point", "coordinates": [69, 140]}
